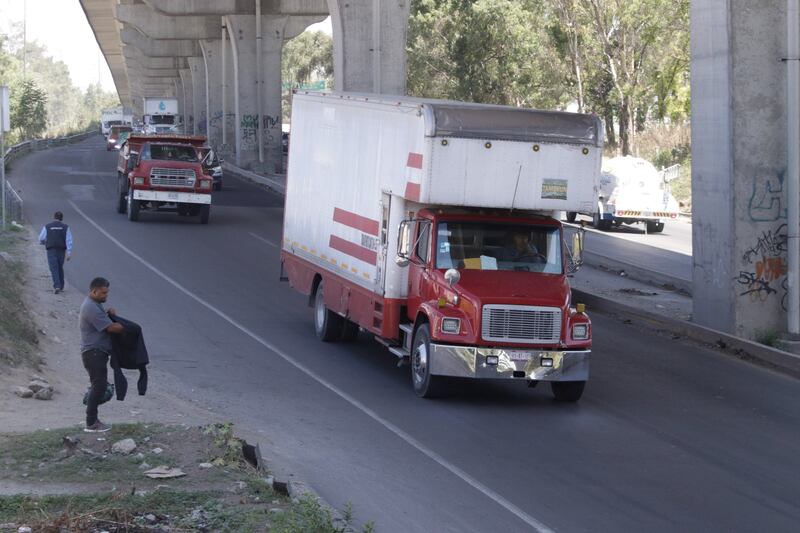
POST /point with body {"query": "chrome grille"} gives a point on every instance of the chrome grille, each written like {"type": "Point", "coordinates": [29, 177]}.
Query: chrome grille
{"type": "Point", "coordinates": [172, 177]}
{"type": "Point", "coordinates": [521, 323]}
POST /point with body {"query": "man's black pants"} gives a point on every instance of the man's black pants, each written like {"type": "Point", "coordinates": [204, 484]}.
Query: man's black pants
{"type": "Point", "coordinates": [55, 260]}
{"type": "Point", "coordinates": [96, 364]}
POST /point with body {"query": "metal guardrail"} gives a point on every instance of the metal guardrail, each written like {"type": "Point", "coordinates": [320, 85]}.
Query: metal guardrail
{"type": "Point", "coordinates": [15, 206]}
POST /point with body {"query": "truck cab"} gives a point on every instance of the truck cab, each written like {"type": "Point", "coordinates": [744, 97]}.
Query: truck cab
{"type": "Point", "coordinates": [160, 173]}
{"type": "Point", "coordinates": [490, 291]}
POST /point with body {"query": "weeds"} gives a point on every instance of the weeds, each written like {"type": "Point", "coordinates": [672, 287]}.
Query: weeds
{"type": "Point", "coordinates": [767, 337]}
{"type": "Point", "coordinates": [17, 331]}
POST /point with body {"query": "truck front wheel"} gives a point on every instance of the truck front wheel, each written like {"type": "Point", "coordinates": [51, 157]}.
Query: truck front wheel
{"type": "Point", "coordinates": [122, 191]}
{"type": "Point", "coordinates": [425, 384]}
{"type": "Point", "coordinates": [327, 324]}
{"type": "Point", "coordinates": [205, 212]}
{"type": "Point", "coordinates": [133, 208]}
{"type": "Point", "coordinates": [567, 391]}
{"type": "Point", "coordinates": [572, 216]}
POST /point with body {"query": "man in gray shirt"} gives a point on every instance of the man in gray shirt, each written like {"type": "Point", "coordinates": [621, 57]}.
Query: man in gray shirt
{"type": "Point", "coordinates": [96, 328]}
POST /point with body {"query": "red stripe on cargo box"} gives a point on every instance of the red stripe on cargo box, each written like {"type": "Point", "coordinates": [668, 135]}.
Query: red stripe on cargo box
{"type": "Point", "coordinates": [414, 160]}
{"type": "Point", "coordinates": [412, 191]}
{"type": "Point", "coordinates": [354, 250]}
{"type": "Point", "coordinates": [367, 225]}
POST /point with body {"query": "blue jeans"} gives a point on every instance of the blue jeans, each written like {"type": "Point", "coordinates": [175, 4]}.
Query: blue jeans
{"type": "Point", "coordinates": [55, 259]}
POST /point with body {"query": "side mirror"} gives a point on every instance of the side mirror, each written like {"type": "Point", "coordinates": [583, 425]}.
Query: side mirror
{"type": "Point", "coordinates": [452, 276]}
{"type": "Point", "coordinates": [576, 254]}
{"type": "Point", "coordinates": [404, 243]}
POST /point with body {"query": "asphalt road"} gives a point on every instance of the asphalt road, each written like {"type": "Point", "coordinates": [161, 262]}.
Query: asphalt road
{"type": "Point", "coordinates": [668, 436]}
{"type": "Point", "coordinates": [668, 252]}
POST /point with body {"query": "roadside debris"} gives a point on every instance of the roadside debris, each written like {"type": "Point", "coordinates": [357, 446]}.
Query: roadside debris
{"type": "Point", "coordinates": [38, 388]}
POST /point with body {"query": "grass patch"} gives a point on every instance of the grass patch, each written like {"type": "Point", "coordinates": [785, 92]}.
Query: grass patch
{"type": "Point", "coordinates": [767, 338]}
{"type": "Point", "coordinates": [17, 329]}
{"type": "Point", "coordinates": [231, 497]}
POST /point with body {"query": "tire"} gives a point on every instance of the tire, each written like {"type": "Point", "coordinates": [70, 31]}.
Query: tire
{"type": "Point", "coordinates": [425, 385]}
{"type": "Point", "coordinates": [600, 224]}
{"type": "Point", "coordinates": [133, 208]}
{"type": "Point", "coordinates": [654, 226]}
{"type": "Point", "coordinates": [567, 391]}
{"type": "Point", "coordinates": [122, 192]}
{"type": "Point", "coordinates": [349, 330]}
{"type": "Point", "coordinates": [571, 216]}
{"type": "Point", "coordinates": [327, 324]}
{"type": "Point", "coordinates": [205, 212]}
{"type": "Point", "coordinates": [217, 186]}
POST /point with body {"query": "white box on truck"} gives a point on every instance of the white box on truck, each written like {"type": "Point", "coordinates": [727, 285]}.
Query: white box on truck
{"type": "Point", "coordinates": [160, 106]}
{"type": "Point", "coordinates": [351, 153]}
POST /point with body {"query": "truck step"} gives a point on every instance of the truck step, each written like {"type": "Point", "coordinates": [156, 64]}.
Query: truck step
{"type": "Point", "coordinates": [399, 351]}
{"type": "Point", "coordinates": [408, 329]}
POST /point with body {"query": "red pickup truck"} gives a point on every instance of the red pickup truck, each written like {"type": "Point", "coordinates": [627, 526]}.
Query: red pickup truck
{"type": "Point", "coordinates": [161, 173]}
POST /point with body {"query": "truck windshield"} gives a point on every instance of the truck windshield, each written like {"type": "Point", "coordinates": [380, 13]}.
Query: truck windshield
{"type": "Point", "coordinates": [487, 246]}
{"type": "Point", "coordinates": [171, 152]}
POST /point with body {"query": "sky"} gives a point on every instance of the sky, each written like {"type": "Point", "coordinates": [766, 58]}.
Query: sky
{"type": "Point", "coordinates": [61, 26]}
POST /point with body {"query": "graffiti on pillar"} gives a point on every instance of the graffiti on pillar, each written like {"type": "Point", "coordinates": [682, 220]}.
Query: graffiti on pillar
{"type": "Point", "coordinates": [766, 202]}
{"type": "Point", "coordinates": [271, 121]}
{"type": "Point", "coordinates": [249, 130]}
{"type": "Point", "coordinates": [765, 267]}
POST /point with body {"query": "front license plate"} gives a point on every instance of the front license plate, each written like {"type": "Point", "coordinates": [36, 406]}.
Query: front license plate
{"type": "Point", "coordinates": [516, 355]}
{"type": "Point", "coordinates": [172, 195]}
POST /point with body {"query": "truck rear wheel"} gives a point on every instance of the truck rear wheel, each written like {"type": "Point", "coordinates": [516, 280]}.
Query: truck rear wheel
{"type": "Point", "coordinates": [567, 391]}
{"type": "Point", "coordinates": [571, 216]}
{"type": "Point", "coordinates": [654, 226]}
{"type": "Point", "coordinates": [349, 330]}
{"type": "Point", "coordinates": [205, 212]}
{"type": "Point", "coordinates": [327, 324]}
{"type": "Point", "coordinates": [425, 384]}
{"type": "Point", "coordinates": [133, 208]}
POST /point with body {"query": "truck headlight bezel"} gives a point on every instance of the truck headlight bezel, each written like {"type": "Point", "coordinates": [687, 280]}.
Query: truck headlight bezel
{"type": "Point", "coordinates": [580, 332]}
{"type": "Point", "coordinates": [138, 180]}
{"type": "Point", "coordinates": [451, 325]}
{"type": "Point", "coordinates": [205, 184]}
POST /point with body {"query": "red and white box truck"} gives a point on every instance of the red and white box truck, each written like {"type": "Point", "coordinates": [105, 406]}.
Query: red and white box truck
{"type": "Point", "coordinates": [430, 225]}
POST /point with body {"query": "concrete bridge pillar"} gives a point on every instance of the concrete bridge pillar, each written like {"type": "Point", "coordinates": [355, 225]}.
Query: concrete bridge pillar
{"type": "Point", "coordinates": [369, 45]}
{"type": "Point", "coordinates": [739, 131]}
{"type": "Point", "coordinates": [198, 71]}
{"type": "Point", "coordinates": [188, 100]}
{"type": "Point", "coordinates": [179, 95]}
{"type": "Point", "coordinates": [212, 62]}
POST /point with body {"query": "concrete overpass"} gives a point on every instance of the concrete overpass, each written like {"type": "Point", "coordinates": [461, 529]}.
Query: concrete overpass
{"type": "Point", "coordinates": [221, 58]}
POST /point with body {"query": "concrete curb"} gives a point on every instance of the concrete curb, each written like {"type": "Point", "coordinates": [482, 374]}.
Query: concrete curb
{"type": "Point", "coordinates": [645, 275]}
{"type": "Point", "coordinates": [772, 358]}
{"type": "Point", "coordinates": [267, 181]}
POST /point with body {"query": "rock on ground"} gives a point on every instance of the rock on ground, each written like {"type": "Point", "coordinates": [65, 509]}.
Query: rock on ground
{"type": "Point", "coordinates": [36, 385]}
{"type": "Point", "coordinates": [44, 394]}
{"type": "Point", "coordinates": [123, 447]}
{"type": "Point", "coordinates": [23, 392]}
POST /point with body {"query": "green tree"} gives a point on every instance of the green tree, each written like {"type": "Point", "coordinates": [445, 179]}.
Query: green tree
{"type": "Point", "coordinates": [490, 51]}
{"type": "Point", "coordinates": [28, 109]}
{"type": "Point", "coordinates": [306, 59]}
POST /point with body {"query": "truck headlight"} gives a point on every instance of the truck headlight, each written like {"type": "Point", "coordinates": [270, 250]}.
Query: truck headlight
{"type": "Point", "coordinates": [580, 332]}
{"type": "Point", "coordinates": [205, 184]}
{"type": "Point", "coordinates": [451, 325]}
{"type": "Point", "coordinates": [138, 181]}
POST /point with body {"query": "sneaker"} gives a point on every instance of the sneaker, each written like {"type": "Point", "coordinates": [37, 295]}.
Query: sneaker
{"type": "Point", "coordinates": [97, 427]}
{"type": "Point", "coordinates": [57, 291]}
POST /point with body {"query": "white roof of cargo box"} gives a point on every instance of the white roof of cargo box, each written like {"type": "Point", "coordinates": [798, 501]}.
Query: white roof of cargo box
{"type": "Point", "coordinates": [447, 118]}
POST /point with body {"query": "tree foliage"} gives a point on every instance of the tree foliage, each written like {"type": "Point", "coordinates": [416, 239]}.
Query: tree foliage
{"type": "Point", "coordinates": [44, 101]}
{"type": "Point", "coordinates": [28, 112]}
{"type": "Point", "coordinates": [624, 60]}
{"type": "Point", "coordinates": [307, 59]}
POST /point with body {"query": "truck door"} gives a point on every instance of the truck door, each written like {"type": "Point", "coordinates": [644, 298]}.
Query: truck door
{"type": "Point", "coordinates": [380, 274]}
{"type": "Point", "coordinates": [418, 269]}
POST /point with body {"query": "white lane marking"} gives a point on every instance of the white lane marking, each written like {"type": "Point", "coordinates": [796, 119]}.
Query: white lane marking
{"type": "Point", "coordinates": [265, 241]}
{"type": "Point", "coordinates": [469, 480]}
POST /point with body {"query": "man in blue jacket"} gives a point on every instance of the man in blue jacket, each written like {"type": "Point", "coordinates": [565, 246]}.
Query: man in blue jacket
{"type": "Point", "coordinates": [57, 239]}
